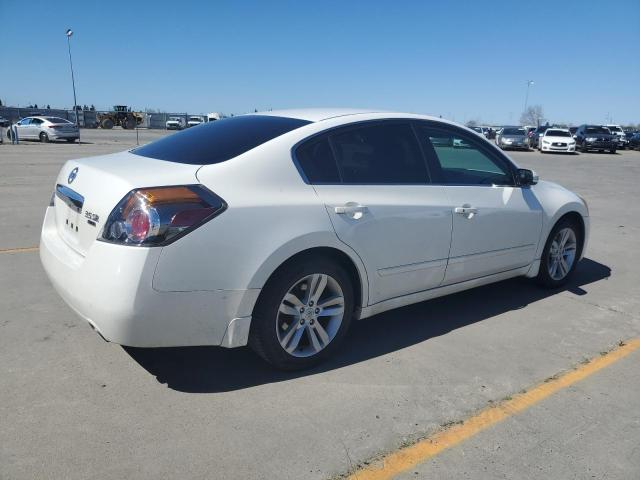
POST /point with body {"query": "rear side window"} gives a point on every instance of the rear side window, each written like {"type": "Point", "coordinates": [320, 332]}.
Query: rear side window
{"type": "Point", "coordinates": [317, 162]}
{"type": "Point", "coordinates": [379, 154]}
{"type": "Point", "coordinates": [216, 142]}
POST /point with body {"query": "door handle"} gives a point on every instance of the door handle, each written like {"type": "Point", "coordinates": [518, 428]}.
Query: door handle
{"type": "Point", "coordinates": [353, 210]}
{"type": "Point", "coordinates": [466, 210]}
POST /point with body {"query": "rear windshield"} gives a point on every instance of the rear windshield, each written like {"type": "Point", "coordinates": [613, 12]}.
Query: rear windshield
{"type": "Point", "coordinates": [219, 141]}
{"type": "Point", "coordinates": [614, 129]}
{"type": "Point", "coordinates": [514, 131]}
{"type": "Point", "coordinates": [557, 133]}
{"type": "Point", "coordinates": [56, 120]}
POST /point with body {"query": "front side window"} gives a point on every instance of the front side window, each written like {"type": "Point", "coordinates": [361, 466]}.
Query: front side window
{"type": "Point", "coordinates": [461, 160]}
{"type": "Point", "coordinates": [383, 153]}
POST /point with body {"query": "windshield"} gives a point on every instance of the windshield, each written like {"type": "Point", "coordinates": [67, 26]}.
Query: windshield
{"type": "Point", "coordinates": [514, 131]}
{"type": "Point", "coordinates": [56, 120]}
{"type": "Point", "coordinates": [216, 142]}
{"type": "Point", "coordinates": [557, 133]}
{"type": "Point", "coordinates": [597, 130]}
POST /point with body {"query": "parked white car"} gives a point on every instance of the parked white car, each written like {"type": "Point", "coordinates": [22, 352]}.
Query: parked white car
{"type": "Point", "coordinates": [46, 129]}
{"type": "Point", "coordinates": [174, 123]}
{"type": "Point", "coordinates": [557, 140]}
{"type": "Point", "coordinates": [279, 229]}
{"type": "Point", "coordinates": [194, 121]}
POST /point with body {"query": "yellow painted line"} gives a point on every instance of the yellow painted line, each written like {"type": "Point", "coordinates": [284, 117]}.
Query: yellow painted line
{"type": "Point", "coordinates": [19, 250]}
{"type": "Point", "coordinates": [408, 457]}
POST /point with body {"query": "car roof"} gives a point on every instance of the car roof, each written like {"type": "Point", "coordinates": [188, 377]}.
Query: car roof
{"type": "Point", "coordinates": [558, 128]}
{"type": "Point", "coordinates": [345, 116]}
{"type": "Point", "coordinates": [316, 114]}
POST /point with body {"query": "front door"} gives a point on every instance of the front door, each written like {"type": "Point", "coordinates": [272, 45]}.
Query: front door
{"type": "Point", "coordinates": [496, 224]}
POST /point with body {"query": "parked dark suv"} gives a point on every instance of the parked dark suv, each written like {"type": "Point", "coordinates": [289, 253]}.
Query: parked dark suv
{"type": "Point", "coordinates": [595, 137]}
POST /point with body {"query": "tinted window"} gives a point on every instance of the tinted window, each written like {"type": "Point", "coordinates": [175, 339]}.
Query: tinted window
{"type": "Point", "coordinates": [597, 130]}
{"type": "Point", "coordinates": [557, 133]}
{"type": "Point", "coordinates": [379, 153]}
{"type": "Point", "coordinates": [514, 131]}
{"type": "Point", "coordinates": [56, 120]}
{"type": "Point", "coordinates": [36, 121]}
{"type": "Point", "coordinates": [461, 160]}
{"type": "Point", "coordinates": [317, 162]}
{"type": "Point", "coordinates": [216, 142]}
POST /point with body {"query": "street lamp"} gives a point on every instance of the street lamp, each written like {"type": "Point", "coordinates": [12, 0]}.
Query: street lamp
{"type": "Point", "coordinates": [526, 98]}
{"type": "Point", "coordinates": [73, 81]}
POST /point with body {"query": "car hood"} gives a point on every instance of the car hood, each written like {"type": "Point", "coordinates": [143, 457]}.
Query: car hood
{"type": "Point", "coordinates": [606, 136]}
{"type": "Point", "coordinates": [551, 138]}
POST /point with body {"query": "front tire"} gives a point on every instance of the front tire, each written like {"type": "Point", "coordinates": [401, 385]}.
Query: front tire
{"type": "Point", "coordinates": [560, 255]}
{"type": "Point", "coordinates": [44, 138]}
{"type": "Point", "coordinates": [303, 314]}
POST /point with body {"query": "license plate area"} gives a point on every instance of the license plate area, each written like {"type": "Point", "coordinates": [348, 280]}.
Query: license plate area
{"type": "Point", "coordinates": [69, 216]}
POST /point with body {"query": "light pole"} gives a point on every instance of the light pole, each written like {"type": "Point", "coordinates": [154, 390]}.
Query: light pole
{"type": "Point", "coordinates": [73, 82]}
{"type": "Point", "coordinates": [526, 98]}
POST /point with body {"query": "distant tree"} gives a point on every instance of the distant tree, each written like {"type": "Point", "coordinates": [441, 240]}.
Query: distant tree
{"type": "Point", "coordinates": [0, 103]}
{"type": "Point", "coordinates": [472, 123]}
{"type": "Point", "coordinates": [48, 107]}
{"type": "Point", "coordinates": [532, 116]}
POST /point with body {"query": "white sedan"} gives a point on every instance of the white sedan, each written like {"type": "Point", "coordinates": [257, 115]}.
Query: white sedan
{"type": "Point", "coordinates": [278, 229]}
{"type": "Point", "coordinates": [557, 140]}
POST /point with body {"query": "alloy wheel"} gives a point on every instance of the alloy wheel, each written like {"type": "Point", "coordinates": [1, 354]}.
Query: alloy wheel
{"type": "Point", "coordinates": [562, 253]}
{"type": "Point", "coordinates": [310, 315]}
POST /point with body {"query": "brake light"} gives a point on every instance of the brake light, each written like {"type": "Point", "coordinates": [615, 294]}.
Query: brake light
{"type": "Point", "coordinates": [160, 215]}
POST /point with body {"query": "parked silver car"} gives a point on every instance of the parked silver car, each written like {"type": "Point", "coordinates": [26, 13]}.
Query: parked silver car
{"type": "Point", "coordinates": [513, 137]}
{"type": "Point", "coordinates": [46, 129]}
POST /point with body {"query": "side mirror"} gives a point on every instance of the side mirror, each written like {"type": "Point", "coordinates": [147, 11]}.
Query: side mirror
{"type": "Point", "coordinates": [527, 177]}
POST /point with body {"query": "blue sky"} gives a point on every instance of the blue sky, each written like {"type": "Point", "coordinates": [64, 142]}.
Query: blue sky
{"type": "Point", "coordinates": [462, 60]}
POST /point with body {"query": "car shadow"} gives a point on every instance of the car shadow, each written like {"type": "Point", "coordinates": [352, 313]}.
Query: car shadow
{"type": "Point", "coordinates": [214, 369]}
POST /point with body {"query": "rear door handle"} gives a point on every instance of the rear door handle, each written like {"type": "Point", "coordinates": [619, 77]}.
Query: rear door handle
{"type": "Point", "coordinates": [466, 210]}
{"type": "Point", "coordinates": [352, 210]}
{"type": "Point", "coordinates": [346, 209]}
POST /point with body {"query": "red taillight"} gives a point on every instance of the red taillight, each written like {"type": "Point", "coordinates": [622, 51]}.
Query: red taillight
{"type": "Point", "coordinates": [160, 215]}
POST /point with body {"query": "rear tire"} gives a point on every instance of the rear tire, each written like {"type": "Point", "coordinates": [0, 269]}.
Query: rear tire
{"type": "Point", "coordinates": [71, 140]}
{"type": "Point", "coordinates": [44, 138]}
{"type": "Point", "coordinates": [613, 151]}
{"type": "Point", "coordinates": [273, 328]}
{"type": "Point", "coordinates": [559, 260]}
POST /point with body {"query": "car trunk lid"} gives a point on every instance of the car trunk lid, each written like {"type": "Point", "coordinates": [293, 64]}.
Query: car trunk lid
{"type": "Point", "coordinates": [88, 189]}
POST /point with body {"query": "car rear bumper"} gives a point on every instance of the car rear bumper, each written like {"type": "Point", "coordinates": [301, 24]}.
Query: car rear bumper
{"type": "Point", "coordinates": [62, 135]}
{"type": "Point", "coordinates": [111, 288]}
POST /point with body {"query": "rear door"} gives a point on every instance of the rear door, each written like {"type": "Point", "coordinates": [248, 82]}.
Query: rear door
{"type": "Point", "coordinates": [374, 183]}
{"type": "Point", "coordinates": [496, 224]}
